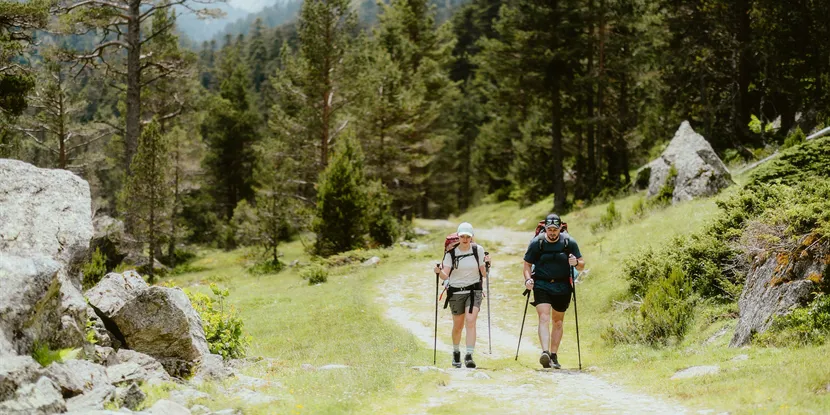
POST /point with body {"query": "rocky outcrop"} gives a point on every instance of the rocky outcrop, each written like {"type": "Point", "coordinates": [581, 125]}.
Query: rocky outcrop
{"type": "Point", "coordinates": [162, 323]}
{"type": "Point", "coordinates": [115, 290]}
{"type": "Point", "coordinates": [45, 226]}
{"type": "Point", "coordinates": [700, 172]}
{"type": "Point", "coordinates": [44, 211]}
{"type": "Point", "coordinates": [40, 398]}
{"type": "Point", "coordinates": [778, 282]}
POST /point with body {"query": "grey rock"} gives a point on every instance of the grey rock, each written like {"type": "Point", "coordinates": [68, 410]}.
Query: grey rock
{"type": "Point", "coordinates": [199, 410]}
{"type": "Point", "coordinates": [102, 336]}
{"type": "Point", "coordinates": [28, 282]}
{"type": "Point", "coordinates": [128, 372]}
{"type": "Point", "coordinates": [427, 368]}
{"type": "Point", "coordinates": [228, 412]}
{"type": "Point", "coordinates": [151, 366]}
{"type": "Point", "coordinates": [696, 371]}
{"type": "Point", "coordinates": [16, 371]}
{"type": "Point", "coordinates": [371, 261]}
{"type": "Point", "coordinates": [420, 231]}
{"type": "Point", "coordinates": [211, 367]}
{"type": "Point", "coordinates": [115, 290]}
{"type": "Point", "coordinates": [166, 407]}
{"type": "Point", "coordinates": [480, 375]}
{"type": "Point", "coordinates": [94, 399]}
{"type": "Point", "coordinates": [75, 377]}
{"type": "Point", "coordinates": [44, 212]}
{"type": "Point", "coordinates": [740, 358]}
{"type": "Point", "coordinates": [251, 382]}
{"type": "Point", "coordinates": [162, 323]}
{"type": "Point", "coordinates": [102, 355]}
{"type": "Point", "coordinates": [130, 396]}
{"type": "Point", "coordinates": [700, 172]}
{"type": "Point", "coordinates": [775, 284]}
{"type": "Point", "coordinates": [41, 397]}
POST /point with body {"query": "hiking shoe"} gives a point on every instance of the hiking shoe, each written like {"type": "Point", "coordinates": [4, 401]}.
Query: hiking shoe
{"type": "Point", "coordinates": [555, 361]}
{"type": "Point", "coordinates": [468, 361]}
{"type": "Point", "coordinates": [456, 359]}
{"type": "Point", "coordinates": [544, 359]}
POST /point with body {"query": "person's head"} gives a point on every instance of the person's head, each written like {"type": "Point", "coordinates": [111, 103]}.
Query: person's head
{"type": "Point", "coordinates": [465, 232]}
{"type": "Point", "coordinates": [553, 225]}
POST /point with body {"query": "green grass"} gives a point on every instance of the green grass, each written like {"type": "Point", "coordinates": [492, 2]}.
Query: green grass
{"type": "Point", "coordinates": [337, 322]}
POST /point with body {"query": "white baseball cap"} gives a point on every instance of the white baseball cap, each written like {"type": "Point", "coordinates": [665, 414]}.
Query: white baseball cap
{"type": "Point", "coordinates": [465, 229]}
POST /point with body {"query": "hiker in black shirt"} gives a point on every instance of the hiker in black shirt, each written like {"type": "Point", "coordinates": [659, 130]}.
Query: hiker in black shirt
{"type": "Point", "coordinates": [547, 271]}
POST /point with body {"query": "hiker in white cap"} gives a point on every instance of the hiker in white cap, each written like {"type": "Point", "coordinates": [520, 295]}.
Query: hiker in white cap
{"type": "Point", "coordinates": [464, 266]}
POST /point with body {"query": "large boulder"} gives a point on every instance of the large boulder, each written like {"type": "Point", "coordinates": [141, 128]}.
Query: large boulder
{"type": "Point", "coordinates": [38, 302]}
{"type": "Point", "coordinates": [40, 398]}
{"type": "Point", "coordinates": [162, 323]}
{"type": "Point", "coordinates": [43, 211]}
{"type": "Point", "coordinates": [45, 227]}
{"type": "Point", "coordinates": [778, 282]}
{"type": "Point", "coordinates": [700, 172]}
{"type": "Point", "coordinates": [115, 290]}
{"type": "Point", "coordinates": [75, 377]}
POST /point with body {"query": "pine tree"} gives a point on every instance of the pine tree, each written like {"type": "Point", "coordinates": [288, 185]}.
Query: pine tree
{"type": "Point", "coordinates": [230, 131]}
{"type": "Point", "coordinates": [340, 221]}
{"type": "Point", "coordinates": [146, 197]}
{"type": "Point", "coordinates": [257, 55]}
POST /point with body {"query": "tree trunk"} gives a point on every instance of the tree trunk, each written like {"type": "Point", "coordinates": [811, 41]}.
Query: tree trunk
{"type": "Point", "coordinates": [133, 116]}
{"type": "Point", "coordinates": [741, 104]}
{"type": "Point", "coordinates": [61, 123]}
{"type": "Point", "coordinates": [590, 158]}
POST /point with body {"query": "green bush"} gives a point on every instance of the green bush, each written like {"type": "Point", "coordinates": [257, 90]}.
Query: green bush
{"type": "Point", "coordinates": [795, 138]}
{"type": "Point", "coordinates": [805, 325]}
{"type": "Point", "coordinates": [797, 164]}
{"type": "Point", "coordinates": [642, 179]}
{"type": "Point", "coordinates": [94, 270]}
{"type": "Point", "coordinates": [46, 356]}
{"type": "Point", "coordinates": [608, 220]}
{"type": "Point", "coordinates": [665, 313]}
{"type": "Point", "coordinates": [639, 209]}
{"type": "Point", "coordinates": [224, 329]}
{"type": "Point", "coordinates": [265, 267]}
{"type": "Point", "coordinates": [315, 274]}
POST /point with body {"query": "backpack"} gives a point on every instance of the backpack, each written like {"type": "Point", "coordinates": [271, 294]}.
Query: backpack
{"type": "Point", "coordinates": [540, 228]}
{"type": "Point", "coordinates": [450, 243]}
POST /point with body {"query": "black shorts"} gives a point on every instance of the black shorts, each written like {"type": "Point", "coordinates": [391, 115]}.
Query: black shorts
{"type": "Point", "coordinates": [559, 302]}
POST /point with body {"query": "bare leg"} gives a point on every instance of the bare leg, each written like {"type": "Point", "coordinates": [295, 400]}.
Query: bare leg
{"type": "Point", "coordinates": [470, 321]}
{"type": "Point", "coordinates": [544, 311]}
{"type": "Point", "coordinates": [457, 326]}
{"type": "Point", "coordinates": [556, 331]}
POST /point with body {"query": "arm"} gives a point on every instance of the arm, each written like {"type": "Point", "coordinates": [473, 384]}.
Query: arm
{"type": "Point", "coordinates": [526, 273]}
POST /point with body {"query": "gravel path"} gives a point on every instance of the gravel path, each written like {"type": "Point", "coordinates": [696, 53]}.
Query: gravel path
{"type": "Point", "coordinates": [410, 302]}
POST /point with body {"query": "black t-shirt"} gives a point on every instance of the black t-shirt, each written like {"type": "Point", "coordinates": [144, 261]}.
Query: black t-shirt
{"type": "Point", "coordinates": [552, 261]}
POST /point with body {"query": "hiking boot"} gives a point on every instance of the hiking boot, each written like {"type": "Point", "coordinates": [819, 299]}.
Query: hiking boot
{"type": "Point", "coordinates": [456, 359]}
{"type": "Point", "coordinates": [468, 361]}
{"type": "Point", "coordinates": [544, 359]}
{"type": "Point", "coordinates": [555, 361]}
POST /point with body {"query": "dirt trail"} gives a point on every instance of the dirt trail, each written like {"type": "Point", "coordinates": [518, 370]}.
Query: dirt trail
{"type": "Point", "coordinates": [410, 303]}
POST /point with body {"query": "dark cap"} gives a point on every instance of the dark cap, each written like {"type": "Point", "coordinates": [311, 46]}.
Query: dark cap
{"type": "Point", "coordinates": [553, 220]}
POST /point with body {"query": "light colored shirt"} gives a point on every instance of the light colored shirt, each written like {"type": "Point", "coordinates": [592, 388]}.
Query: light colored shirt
{"type": "Point", "coordinates": [467, 272]}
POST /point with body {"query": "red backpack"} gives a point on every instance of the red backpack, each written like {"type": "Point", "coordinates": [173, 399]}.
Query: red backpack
{"type": "Point", "coordinates": [539, 228]}
{"type": "Point", "coordinates": [450, 243]}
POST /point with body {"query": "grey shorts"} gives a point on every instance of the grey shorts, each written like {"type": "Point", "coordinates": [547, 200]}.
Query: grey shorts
{"type": "Point", "coordinates": [460, 303]}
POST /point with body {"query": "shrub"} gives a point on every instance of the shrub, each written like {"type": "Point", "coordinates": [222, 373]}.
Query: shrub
{"type": "Point", "coordinates": [642, 179]}
{"type": "Point", "coordinates": [244, 224]}
{"type": "Point", "coordinates": [797, 164]}
{"type": "Point", "coordinates": [639, 209]}
{"type": "Point", "coordinates": [805, 325]}
{"type": "Point", "coordinates": [795, 138]}
{"type": "Point", "coordinates": [315, 274]}
{"type": "Point", "coordinates": [94, 270]}
{"type": "Point", "coordinates": [667, 309]}
{"type": "Point", "coordinates": [224, 329]}
{"type": "Point", "coordinates": [608, 220]}
{"type": "Point", "coordinates": [268, 266]}
{"type": "Point", "coordinates": [46, 356]}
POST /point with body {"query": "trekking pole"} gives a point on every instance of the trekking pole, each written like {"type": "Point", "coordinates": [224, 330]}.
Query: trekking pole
{"type": "Point", "coordinates": [576, 318]}
{"type": "Point", "coordinates": [489, 337]}
{"type": "Point", "coordinates": [435, 342]}
{"type": "Point", "coordinates": [527, 294]}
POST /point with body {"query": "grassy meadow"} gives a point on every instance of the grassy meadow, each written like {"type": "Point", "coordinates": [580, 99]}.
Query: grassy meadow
{"type": "Point", "coordinates": [340, 322]}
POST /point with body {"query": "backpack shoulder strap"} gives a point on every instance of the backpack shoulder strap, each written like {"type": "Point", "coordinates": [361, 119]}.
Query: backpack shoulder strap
{"type": "Point", "coordinates": [475, 254]}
